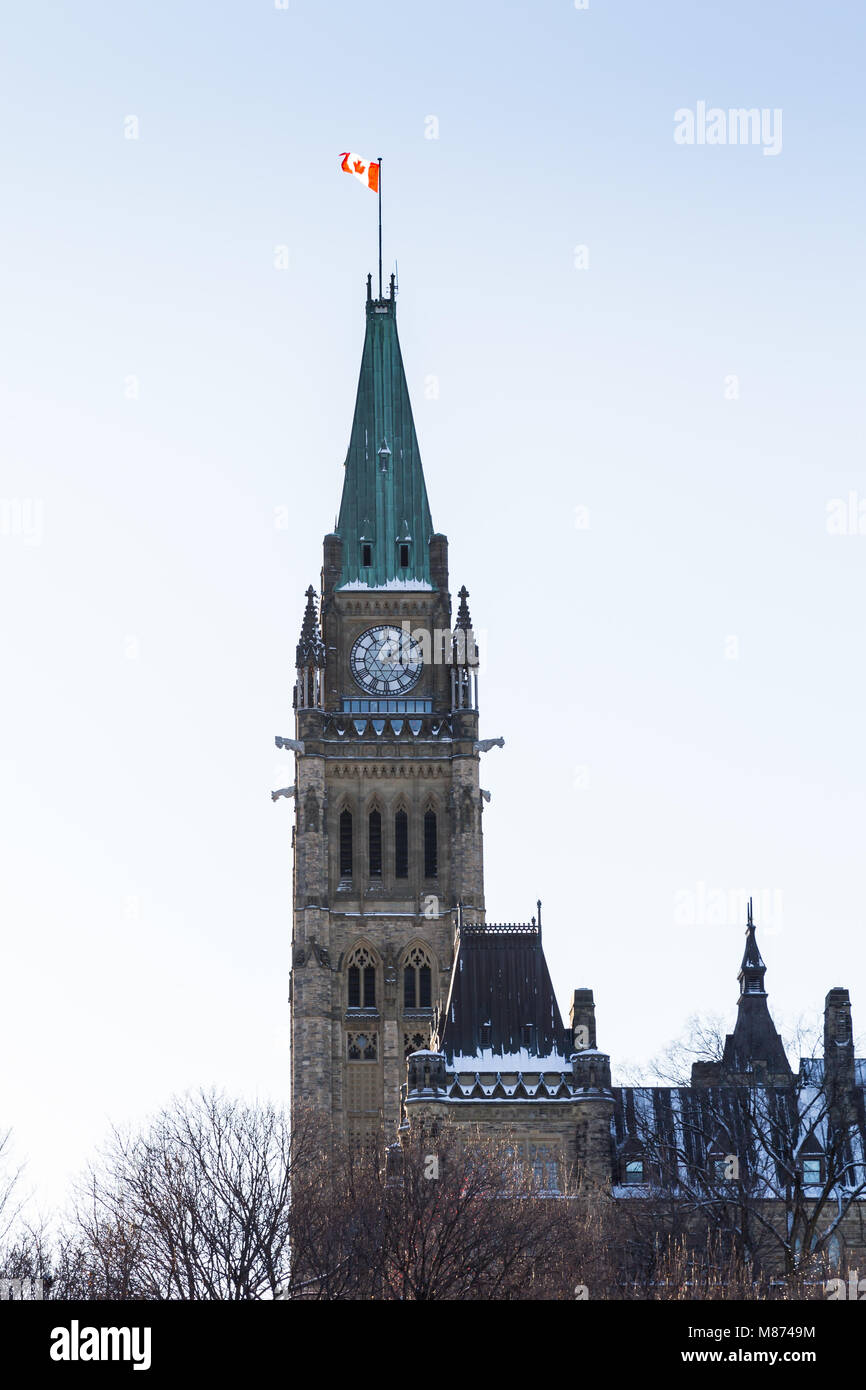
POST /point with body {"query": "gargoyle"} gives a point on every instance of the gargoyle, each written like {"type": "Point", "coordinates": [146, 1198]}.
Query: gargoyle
{"type": "Point", "coordinates": [296, 745]}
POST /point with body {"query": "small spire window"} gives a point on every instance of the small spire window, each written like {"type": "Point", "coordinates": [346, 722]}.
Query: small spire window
{"type": "Point", "coordinates": [404, 556]}
{"type": "Point", "coordinates": [366, 555]}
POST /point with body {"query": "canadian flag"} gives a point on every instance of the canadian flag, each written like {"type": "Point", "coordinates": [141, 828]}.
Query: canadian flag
{"type": "Point", "coordinates": [363, 169]}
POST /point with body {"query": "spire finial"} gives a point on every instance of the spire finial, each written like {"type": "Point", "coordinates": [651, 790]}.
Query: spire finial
{"type": "Point", "coordinates": [463, 621]}
{"type": "Point", "coordinates": [753, 969]}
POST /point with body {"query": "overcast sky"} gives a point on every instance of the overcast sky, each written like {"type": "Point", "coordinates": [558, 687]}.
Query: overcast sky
{"type": "Point", "coordinates": [637, 373]}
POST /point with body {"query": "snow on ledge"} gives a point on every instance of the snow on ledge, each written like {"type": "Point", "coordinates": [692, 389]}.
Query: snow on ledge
{"type": "Point", "coordinates": [389, 585]}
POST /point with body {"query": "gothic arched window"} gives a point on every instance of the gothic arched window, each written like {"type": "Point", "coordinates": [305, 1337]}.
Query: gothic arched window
{"type": "Point", "coordinates": [417, 980]}
{"type": "Point", "coordinates": [431, 845]}
{"type": "Point", "coordinates": [361, 979]}
{"type": "Point", "coordinates": [346, 844]}
{"type": "Point", "coordinates": [374, 844]}
{"type": "Point", "coordinates": [401, 845]}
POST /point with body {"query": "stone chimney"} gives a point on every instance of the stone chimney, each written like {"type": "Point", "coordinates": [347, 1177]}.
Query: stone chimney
{"type": "Point", "coordinates": [582, 1016]}
{"type": "Point", "coordinates": [591, 1072]}
{"type": "Point", "coordinates": [839, 1056]}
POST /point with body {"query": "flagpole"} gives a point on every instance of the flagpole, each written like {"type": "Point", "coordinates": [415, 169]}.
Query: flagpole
{"type": "Point", "coordinates": [380, 226]}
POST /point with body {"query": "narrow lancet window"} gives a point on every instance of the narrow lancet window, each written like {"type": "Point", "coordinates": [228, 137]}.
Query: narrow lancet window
{"type": "Point", "coordinates": [401, 845]}
{"type": "Point", "coordinates": [346, 844]}
{"type": "Point", "coordinates": [431, 845]}
{"type": "Point", "coordinates": [375, 844]}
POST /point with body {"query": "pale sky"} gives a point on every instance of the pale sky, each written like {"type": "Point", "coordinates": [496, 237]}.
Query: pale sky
{"type": "Point", "coordinates": [636, 368]}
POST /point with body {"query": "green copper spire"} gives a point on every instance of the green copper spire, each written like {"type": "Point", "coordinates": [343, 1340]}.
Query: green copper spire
{"type": "Point", "coordinates": [384, 521]}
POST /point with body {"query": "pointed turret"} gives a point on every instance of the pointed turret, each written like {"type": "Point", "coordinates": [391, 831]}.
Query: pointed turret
{"type": "Point", "coordinates": [754, 1050]}
{"type": "Point", "coordinates": [309, 658]}
{"type": "Point", "coordinates": [464, 658]}
{"type": "Point", "coordinates": [384, 522]}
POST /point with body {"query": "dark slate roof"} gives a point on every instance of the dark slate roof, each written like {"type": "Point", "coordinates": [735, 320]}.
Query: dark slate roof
{"type": "Point", "coordinates": [690, 1123]}
{"type": "Point", "coordinates": [384, 493]}
{"type": "Point", "coordinates": [752, 956]}
{"type": "Point", "coordinates": [754, 1039]}
{"type": "Point", "coordinates": [500, 984]}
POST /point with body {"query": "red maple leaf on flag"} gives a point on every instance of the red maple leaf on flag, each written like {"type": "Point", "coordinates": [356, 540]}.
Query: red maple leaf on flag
{"type": "Point", "coordinates": [360, 166]}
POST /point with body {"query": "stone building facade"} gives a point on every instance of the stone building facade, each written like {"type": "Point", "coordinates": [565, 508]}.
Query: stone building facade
{"type": "Point", "coordinates": [406, 1005]}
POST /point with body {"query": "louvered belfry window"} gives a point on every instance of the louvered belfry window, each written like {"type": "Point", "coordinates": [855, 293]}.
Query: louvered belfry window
{"type": "Point", "coordinates": [346, 844]}
{"type": "Point", "coordinates": [401, 845]}
{"type": "Point", "coordinates": [374, 843]}
{"type": "Point", "coordinates": [431, 845]}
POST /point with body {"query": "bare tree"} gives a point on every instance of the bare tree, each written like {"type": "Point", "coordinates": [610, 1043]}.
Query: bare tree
{"type": "Point", "coordinates": [10, 1177]}
{"type": "Point", "coordinates": [195, 1206]}
{"type": "Point", "coordinates": [447, 1216]}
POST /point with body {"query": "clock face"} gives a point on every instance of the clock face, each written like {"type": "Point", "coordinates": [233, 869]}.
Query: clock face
{"type": "Point", "coordinates": [386, 661]}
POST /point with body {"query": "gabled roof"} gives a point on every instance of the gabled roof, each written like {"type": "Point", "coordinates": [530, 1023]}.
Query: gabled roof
{"type": "Point", "coordinates": [384, 493]}
{"type": "Point", "coordinates": [501, 1005]}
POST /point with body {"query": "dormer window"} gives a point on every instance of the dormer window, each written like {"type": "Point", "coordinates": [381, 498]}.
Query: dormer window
{"type": "Point", "coordinates": [404, 556]}
{"type": "Point", "coordinates": [366, 555]}
{"type": "Point", "coordinates": [812, 1172]}
{"type": "Point", "coordinates": [633, 1175]}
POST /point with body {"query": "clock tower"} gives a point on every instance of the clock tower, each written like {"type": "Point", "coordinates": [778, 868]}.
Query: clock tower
{"type": "Point", "coordinates": [387, 833]}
